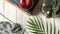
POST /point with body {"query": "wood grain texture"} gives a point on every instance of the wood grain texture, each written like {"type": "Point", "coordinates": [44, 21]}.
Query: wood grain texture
{"type": "Point", "coordinates": [16, 16]}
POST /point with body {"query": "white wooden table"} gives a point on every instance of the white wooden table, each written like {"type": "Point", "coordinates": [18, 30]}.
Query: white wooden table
{"type": "Point", "coordinates": [16, 15]}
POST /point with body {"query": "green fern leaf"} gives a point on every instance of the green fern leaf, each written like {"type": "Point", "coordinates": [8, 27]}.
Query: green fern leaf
{"type": "Point", "coordinates": [37, 26]}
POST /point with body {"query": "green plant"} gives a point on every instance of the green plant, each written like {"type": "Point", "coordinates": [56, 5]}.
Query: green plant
{"type": "Point", "coordinates": [38, 27]}
{"type": "Point", "coordinates": [53, 7]}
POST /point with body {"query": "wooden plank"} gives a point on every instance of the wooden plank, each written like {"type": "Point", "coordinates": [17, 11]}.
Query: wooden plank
{"type": "Point", "coordinates": [1, 10]}
{"type": "Point", "coordinates": [10, 12]}
{"type": "Point", "coordinates": [18, 8]}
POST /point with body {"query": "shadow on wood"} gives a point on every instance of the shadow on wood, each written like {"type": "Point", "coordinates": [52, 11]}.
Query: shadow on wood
{"type": "Point", "coordinates": [38, 8]}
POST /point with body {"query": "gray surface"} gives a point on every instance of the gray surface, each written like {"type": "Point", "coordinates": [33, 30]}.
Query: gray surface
{"type": "Point", "coordinates": [10, 28]}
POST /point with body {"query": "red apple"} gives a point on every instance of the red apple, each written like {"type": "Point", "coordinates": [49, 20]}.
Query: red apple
{"type": "Point", "coordinates": [26, 4]}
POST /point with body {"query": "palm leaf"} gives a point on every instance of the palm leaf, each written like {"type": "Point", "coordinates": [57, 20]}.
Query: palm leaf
{"type": "Point", "coordinates": [47, 27]}
{"type": "Point", "coordinates": [37, 26]}
{"type": "Point", "coordinates": [50, 28]}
